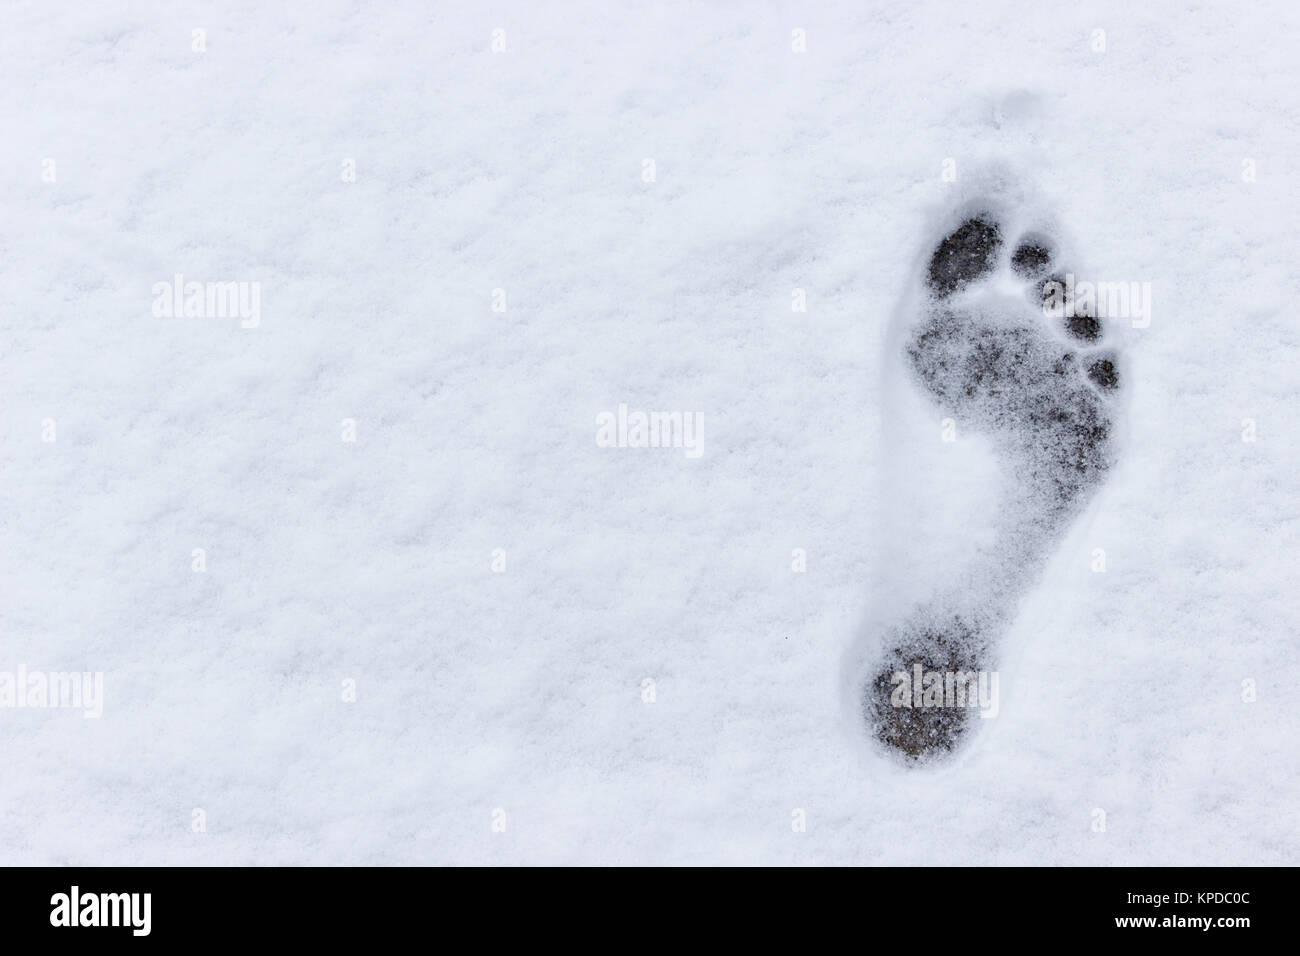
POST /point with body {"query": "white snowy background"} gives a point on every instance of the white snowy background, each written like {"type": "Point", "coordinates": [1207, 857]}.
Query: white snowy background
{"type": "Point", "coordinates": [521, 170]}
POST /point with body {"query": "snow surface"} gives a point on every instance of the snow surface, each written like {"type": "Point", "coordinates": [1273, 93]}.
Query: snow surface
{"type": "Point", "coordinates": [522, 691]}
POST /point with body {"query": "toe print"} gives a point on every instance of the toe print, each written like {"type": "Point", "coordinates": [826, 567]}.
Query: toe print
{"type": "Point", "coordinates": [964, 256]}
{"type": "Point", "coordinates": [1085, 328]}
{"type": "Point", "coordinates": [1103, 373]}
{"type": "Point", "coordinates": [1032, 258]}
{"type": "Point", "coordinates": [1055, 296]}
{"type": "Point", "coordinates": [1047, 293]}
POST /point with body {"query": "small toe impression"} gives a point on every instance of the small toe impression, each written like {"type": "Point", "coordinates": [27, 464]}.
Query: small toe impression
{"type": "Point", "coordinates": [1084, 327]}
{"type": "Point", "coordinates": [968, 253]}
{"type": "Point", "coordinates": [1032, 258]}
{"type": "Point", "coordinates": [1048, 292]}
{"type": "Point", "coordinates": [1103, 373]}
{"type": "Point", "coordinates": [1053, 294]}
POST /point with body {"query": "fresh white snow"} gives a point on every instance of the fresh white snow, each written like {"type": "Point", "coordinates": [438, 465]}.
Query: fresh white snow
{"type": "Point", "coordinates": [501, 717]}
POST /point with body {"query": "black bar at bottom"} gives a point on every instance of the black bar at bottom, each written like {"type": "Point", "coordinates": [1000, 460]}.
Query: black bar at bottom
{"type": "Point", "coordinates": [341, 906]}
